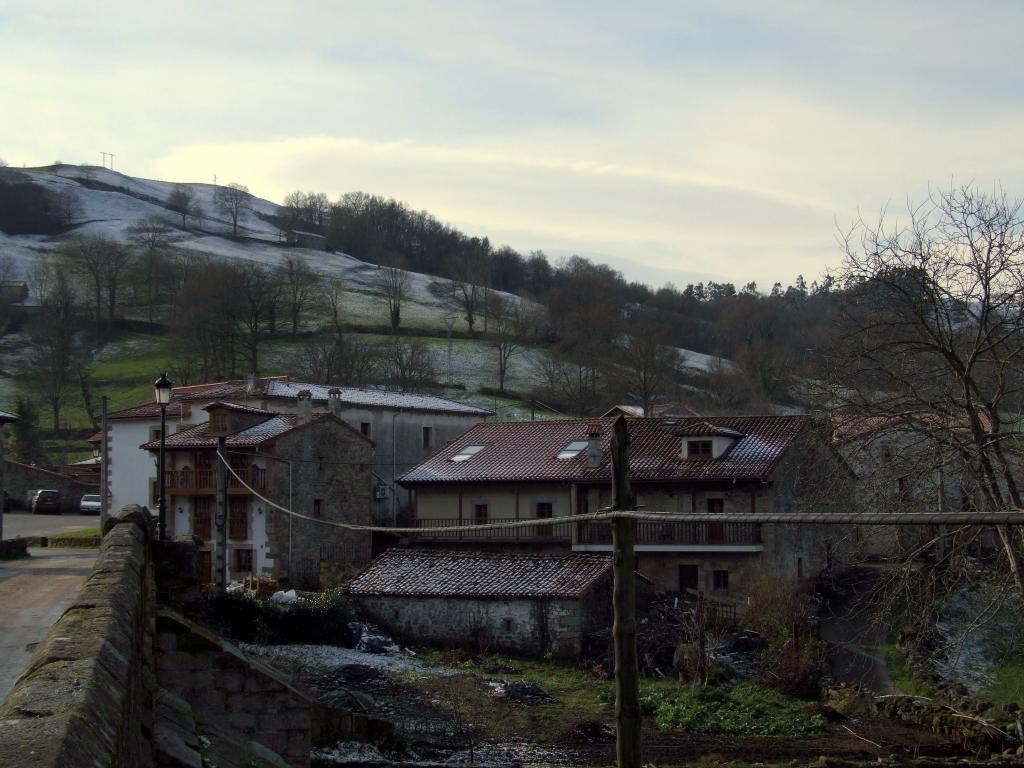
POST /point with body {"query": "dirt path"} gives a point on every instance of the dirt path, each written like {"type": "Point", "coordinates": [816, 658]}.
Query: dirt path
{"type": "Point", "coordinates": [34, 592]}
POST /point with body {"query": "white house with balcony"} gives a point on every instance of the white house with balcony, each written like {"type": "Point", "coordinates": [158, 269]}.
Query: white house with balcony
{"type": "Point", "coordinates": [546, 470]}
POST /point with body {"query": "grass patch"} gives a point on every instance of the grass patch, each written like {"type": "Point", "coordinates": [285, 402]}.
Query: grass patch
{"type": "Point", "coordinates": [745, 709]}
{"type": "Point", "coordinates": [896, 662]}
{"type": "Point", "coordinates": [81, 533]}
{"type": "Point", "coordinates": [1007, 685]}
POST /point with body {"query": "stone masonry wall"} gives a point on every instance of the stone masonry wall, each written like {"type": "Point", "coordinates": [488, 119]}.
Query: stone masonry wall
{"type": "Point", "coordinates": [85, 698]}
{"type": "Point", "coordinates": [330, 462]}
{"type": "Point", "coordinates": [19, 478]}
{"type": "Point", "coordinates": [533, 627]}
{"type": "Point", "coordinates": [224, 686]}
{"type": "Point", "coordinates": [228, 689]}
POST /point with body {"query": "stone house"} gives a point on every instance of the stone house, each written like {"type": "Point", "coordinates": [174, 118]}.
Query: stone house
{"type": "Point", "coordinates": [546, 470]}
{"type": "Point", "coordinates": [532, 604]}
{"type": "Point", "coordinates": [313, 463]}
{"type": "Point", "coordinates": [405, 428]}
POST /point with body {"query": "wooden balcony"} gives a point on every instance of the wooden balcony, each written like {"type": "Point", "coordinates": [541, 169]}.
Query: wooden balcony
{"type": "Point", "coordinates": [543, 530]}
{"type": "Point", "coordinates": [698, 536]}
{"type": "Point", "coordinates": [597, 537]}
{"type": "Point", "coordinates": [196, 482]}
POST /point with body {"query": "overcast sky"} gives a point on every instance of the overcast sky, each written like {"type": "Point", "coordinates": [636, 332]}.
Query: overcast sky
{"type": "Point", "coordinates": [675, 141]}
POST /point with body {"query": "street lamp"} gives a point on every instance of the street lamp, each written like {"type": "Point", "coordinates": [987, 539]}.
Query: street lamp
{"type": "Point", "coordinates": [163, 397]}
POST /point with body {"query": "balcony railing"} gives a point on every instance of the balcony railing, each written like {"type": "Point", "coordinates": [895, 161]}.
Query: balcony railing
{"type": "Point", "coordinates": [651, 533]}
{"type": "Point", "coordinates": [542, 530]}
{"type": "Point", "coordinates": [205, 481]}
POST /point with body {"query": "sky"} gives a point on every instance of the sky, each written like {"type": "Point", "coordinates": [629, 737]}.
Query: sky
{"type": "Point", "coordinates": [676, 141]}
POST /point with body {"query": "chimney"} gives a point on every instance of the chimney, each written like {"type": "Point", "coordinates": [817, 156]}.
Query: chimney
{"type": "Point", "coordinates": [334, 401]}
{"type": "Point", "coordinates": [305, 409]}
{"type": "Point", "coordinates": [593, 446]}
{"type": "Point", "coordinates": [252, 383]}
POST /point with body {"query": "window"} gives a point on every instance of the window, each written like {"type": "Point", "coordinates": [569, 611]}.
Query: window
{"type": "Point", "coordinates": [318, 508]}
{"type": "Point", "coordinates": [716, 506]}
{"type": "Point", "coordinates": [720, 580]}
{"type": "Point", "coordinates": [467, 453]}
{"type": "Point", "coordinates": [238, 519]}
{"type": "Point", "coordinates": [154, 433]}
{"type": "Point", "coordinates": [202, 517]}
{"type": "Point", "coordinates": [544, 510]}
{"type": "Point", "coordinates": [506, 626]}
{"type": "Point", "coordinates": [572, 450]}
{"type": "Point", "coordinates": [698, 449]}
{"type": "Point", "coordinates": [428, 438]}
{"type": "Point", "coordinates": [243, 561]}
{"type": "Point", "coordinates": [799, 567]}
{"type": "Point", "coordinates": [480, 513]}
{"type": "Point", "coordinates": [364, 427]}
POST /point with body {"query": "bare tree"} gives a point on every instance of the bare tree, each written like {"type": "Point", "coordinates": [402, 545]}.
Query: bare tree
{"type": "Point", "coordinates": [646, 364]}
{"type": "Point", "coordinates": [393, 285]}
{"type": "Point", "coordinates": [338, 359]}
{"type": "Point", "coordinates": [331, 301]}
{"type": "Point", "coordinates": [934, 338]}
{"type": "Point", "coordinates": [508, 332]}
{"type": "Point", "coordinates": [69, 207]}
{"type": "Point", "coordinates": [470, 268]}
{"type": "Point", "coordinates": [299, 283]}
{"type": "Point", "coordinates": [51, 365]}
{"type": "Point", "coordinates": [408, 365]}
{"type": "Point", "coordinates": [182, 201]}
{"type": "Point", "coordinates": [235, 202]}
{"type": "Point", "coordinates": [257, 294]}
{"type": "Point", "coordinates": [101, 262]}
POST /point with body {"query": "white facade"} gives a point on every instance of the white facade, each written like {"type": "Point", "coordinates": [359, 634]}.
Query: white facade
{"type": "Point", "coordinates": [132, 470]}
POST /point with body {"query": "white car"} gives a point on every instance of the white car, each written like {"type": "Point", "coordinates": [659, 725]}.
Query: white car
{"type": "Point", "coordinates": [90, 504]}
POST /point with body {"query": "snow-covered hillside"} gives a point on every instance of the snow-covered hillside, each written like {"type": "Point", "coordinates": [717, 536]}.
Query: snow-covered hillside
{"type": "Point", "coordinates": [124, 200]}
{"type": "Point", "coordinates": [109, 203]}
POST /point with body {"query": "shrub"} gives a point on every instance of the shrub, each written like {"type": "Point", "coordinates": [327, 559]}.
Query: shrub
{"type": "Point", "coordinates": [320, 617]}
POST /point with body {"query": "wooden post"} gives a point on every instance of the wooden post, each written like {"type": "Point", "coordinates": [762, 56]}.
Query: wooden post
{"type": "Point", "coordinates": [220, 577]}
{"type": "Point", "coordinates": [104, 463]}
{"type": "Point", "coordinates": [699, 640]}
{"type": "Point", "coordinates": [627, 694]}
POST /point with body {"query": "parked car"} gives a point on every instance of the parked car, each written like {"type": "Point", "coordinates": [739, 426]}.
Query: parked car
{"type": "Point", "coordinates": [46, 503]}
{"type": "Point", "coordinates": [90, 504]}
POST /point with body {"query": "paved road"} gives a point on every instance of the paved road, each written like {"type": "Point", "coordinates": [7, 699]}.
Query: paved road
{"type": "Point", "coordinates": [26, 524]}
{"type": "Point", "coordinates": [34, 592]}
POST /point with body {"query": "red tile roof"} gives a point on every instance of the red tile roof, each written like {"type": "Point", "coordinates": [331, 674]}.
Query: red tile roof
{"type": "Point", "coordinates": [525, 451]}
{"type": "Point", "coordinates": [432, 573]}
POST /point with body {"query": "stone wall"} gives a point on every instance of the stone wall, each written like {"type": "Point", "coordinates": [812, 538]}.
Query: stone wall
{"type": "Point", "coordinates": [531, 627]}
{"type": "Point", "coordinates": [12, 549]}
{"type": "Point", "coordinates": [19, 478]}
{"type": "Point", "coordinates": [86, 696]}
{"type": "Point", "coordinates": [228, 689]}
{"type": "Point", "coordinates": [328, 462]}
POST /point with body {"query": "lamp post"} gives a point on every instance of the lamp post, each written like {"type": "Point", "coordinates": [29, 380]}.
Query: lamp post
{"type": "Point", "coordinates": [163, 396]}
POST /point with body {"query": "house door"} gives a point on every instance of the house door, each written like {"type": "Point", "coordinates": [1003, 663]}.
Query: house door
{"type": "Point", "coordinates": [689, 578]}
{"type": "Point", "coordinates": [205, 566]}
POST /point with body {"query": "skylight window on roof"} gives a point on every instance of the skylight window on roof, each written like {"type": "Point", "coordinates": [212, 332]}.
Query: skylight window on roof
{"type": "Point", "coordinates": [467, 453]}
{"type": "Point", "coordinates": [572, 450]}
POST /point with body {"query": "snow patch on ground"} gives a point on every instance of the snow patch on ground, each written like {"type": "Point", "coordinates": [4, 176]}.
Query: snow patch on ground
{"type": "Point", "coordinates": [324, 658]}
{"type": "Point", "coordinates": [971, 648]}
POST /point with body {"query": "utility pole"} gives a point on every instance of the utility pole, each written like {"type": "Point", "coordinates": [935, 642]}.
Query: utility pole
{"type": "Point", "coordinates": [104, 464]}
{"type": "Point", "coordinates": [220, 578]}
{"type": "Point", "coordinates": [627, 694]}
